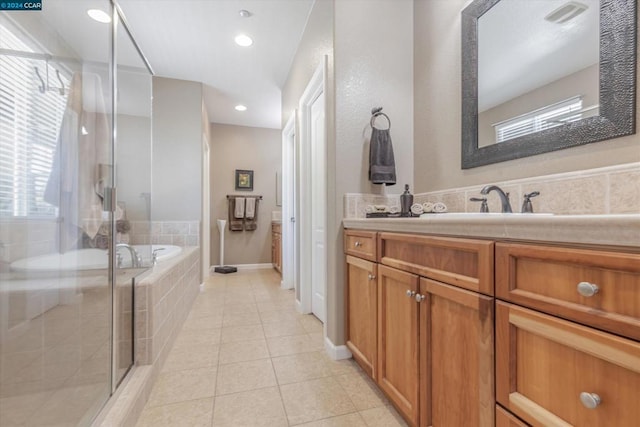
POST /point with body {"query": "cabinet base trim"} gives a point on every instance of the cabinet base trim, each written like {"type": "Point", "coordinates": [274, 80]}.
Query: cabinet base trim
{"type": "Point", "coordinates": [336, 352]}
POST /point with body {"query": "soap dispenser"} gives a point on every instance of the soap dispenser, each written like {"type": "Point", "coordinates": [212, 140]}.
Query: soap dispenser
{"type": "Point", "coordinates": [406, 200]}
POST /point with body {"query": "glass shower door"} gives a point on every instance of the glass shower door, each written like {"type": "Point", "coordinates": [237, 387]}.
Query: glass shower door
{"type": "Point", "coordinates": [56, 164]}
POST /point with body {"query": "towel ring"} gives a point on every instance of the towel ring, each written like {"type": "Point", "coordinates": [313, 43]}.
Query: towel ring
{"type": "Point", "coordinates": [376, 114]}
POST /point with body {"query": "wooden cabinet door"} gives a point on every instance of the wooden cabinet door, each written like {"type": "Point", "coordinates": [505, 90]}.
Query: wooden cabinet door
{"type": "Point", "coordinates": [505, 419]}
{"type": "Point", "coordinates": [398, 339]}
{"type": "Point", "coordinates": [457, 356]}
{"type": "Point", "coordinates": [545, 364]}
{"type": "Point", "coordinates": [361, 312]}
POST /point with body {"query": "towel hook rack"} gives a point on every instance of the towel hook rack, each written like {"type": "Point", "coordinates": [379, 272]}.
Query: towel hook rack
{"type": "Point", "coordinates": [42, 88]}
{"type": "Point", "coordinates": [233, 196]}
{"type": "Point", "coordinates": [375, 112]}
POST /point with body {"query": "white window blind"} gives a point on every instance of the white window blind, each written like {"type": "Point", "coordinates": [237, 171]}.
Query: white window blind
{"type": "Point", "coordinates": [29, 126]}
{"type": "Point", "coordinates": [544, 118]}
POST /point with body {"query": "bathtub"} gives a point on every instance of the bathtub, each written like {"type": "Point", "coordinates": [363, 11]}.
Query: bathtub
{"type": "Point", "coordinates": [91, 259]}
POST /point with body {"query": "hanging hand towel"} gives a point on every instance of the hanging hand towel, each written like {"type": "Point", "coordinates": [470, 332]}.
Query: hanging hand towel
{"type": "Point", "coordinates": [250, 207]}
{"type": "Point", "coordinates": [251, 222]}
{"type": "Point", "coordinates": [234, 224]}
{"type": "Point", "coordinates": [239, 210]}
{"type": "Point", "coordinates": [382, 165]}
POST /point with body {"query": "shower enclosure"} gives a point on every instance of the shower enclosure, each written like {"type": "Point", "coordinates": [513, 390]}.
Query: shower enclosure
{"type": "Point", "coordinates": [75, 185]}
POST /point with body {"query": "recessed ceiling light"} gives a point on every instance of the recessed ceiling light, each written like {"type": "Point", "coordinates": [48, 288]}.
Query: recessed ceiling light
{"type": "Point", "coordinates": [241, 107]}
{"type": "Point", "coordinates": [244, 13]}
{"type": "Point", "coordinates": [99, 15]}
{"type": "Point", "coordinates": [243, 40]}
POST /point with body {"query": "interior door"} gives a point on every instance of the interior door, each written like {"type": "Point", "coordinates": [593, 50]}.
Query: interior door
{"type": "Point", "coordinates": [318, 210]}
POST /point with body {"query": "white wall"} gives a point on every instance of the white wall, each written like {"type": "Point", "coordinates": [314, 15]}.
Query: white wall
{"type": "Point", "coordinates": [133, 164]}
{"type": "Point", "coordinates": [177, 150]}
{"type": "Point", "coordinates": [256, 149]}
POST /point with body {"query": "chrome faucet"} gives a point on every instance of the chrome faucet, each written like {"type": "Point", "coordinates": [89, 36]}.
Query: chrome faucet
{"type": "Point", "coordinates": [136, 261]}
{"type": "Point", "coordinates": [504, 197]}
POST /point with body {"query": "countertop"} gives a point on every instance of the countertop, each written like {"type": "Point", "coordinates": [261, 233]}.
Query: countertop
{"type": "Point", "coordinates": [610, 230]}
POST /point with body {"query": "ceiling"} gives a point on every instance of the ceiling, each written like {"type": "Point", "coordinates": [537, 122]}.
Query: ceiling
{"type": "Point", "coordinates": [193, 40]}
{"type": "Point", "coordinates": [519, 51]}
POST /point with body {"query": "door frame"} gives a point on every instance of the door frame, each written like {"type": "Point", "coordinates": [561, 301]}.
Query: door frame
{"type": "Point", "coordinates": [289, 209]}
{"type": "Point", "coordinates": [314, 89]}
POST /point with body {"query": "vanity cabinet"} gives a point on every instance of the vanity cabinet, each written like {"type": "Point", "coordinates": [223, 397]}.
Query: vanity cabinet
{"type": "Point", "coordinates": [276, 246]}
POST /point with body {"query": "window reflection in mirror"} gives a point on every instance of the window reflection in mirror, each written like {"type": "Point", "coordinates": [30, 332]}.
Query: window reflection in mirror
{"type": "Point", "coordinates": [538, 67]}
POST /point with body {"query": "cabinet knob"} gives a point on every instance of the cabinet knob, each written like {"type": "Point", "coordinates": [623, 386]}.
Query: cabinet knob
{"type": "Point", "coordinates": [410, 293]}
{"type": "Point", "coordinates": [587, 289]}
{"type": "Point", "coordinates": [420, 298]}
{"type": "Point", "coordinates": [357, 244]}
{"type": "Point", "coordinates": [371, 276]}
{"type": "Point", "coordinates": [590, 400]}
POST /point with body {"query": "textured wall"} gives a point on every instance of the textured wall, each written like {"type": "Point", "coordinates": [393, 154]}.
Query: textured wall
{"type": "Point", "coordinates": [240, 147]}
{"type": "Point", "coordinates": [437, 114]}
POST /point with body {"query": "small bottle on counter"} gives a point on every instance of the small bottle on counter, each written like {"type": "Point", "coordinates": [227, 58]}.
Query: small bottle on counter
{"type": "Point", "coordinates": [406, 200]}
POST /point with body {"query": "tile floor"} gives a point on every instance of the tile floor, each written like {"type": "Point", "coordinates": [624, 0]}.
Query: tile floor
{"type": "Point", "coordinates": [246, 358]}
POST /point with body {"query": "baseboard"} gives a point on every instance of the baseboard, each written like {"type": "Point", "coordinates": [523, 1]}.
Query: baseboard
{"type": "Point", "coordinates": [336, 352]}
{"type": "Point", "coordinates": [246, 267]}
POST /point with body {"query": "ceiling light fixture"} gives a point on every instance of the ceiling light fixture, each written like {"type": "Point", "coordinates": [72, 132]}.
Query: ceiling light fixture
{"type": "Point", "coordinates": [566, 12]}
{"type": "Point", "coordinates": [241, 107]}
{"type": "Point", "coordinates": [244, 13]}
{"type": "Point", "coordinates": [243, 40]}
{"type": "Point", "coordinates": [99, 15]}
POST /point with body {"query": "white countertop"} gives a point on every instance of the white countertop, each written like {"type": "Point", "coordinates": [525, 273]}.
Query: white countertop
{"type": "Point", "coordinates": [614, 230]}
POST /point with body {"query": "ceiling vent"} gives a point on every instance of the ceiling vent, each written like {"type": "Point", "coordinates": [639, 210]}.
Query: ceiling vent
{"type": "Point", "coordinates": [566, 12]}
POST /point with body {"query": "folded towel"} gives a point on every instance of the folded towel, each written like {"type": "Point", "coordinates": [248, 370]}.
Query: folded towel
{"type": "Point", "coordinates": [251, 224]}
{"type": "Point", "coordinates": [250, 207]}
{"type": "Point", "coordinates": [382, 164]}
{"type": "Point", "coordinates": [417, 209]}
{"type": "Point", "coordinates": [439, 207]}
{"type": "Point", "coordinates": [239, 209]}
{"type": "Point", "coordinates": [234, 224]}
{"type": "Point", "coordinates": [427, 207]}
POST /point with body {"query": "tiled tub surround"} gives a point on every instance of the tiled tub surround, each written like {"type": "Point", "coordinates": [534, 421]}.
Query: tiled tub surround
{"type": "Point", "coordinates": [164, 297]}
{"type": "Point", "coordinates": [25, 238]}
{"type": "Point", "coordinates": [610, 190]}
{"type": "Point", "coordinates": [179, 233]}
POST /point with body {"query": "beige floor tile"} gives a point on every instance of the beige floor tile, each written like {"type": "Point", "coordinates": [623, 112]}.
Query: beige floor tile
{"type": "Point", "coordinates": [203, 322]}
{"type": "Point", "coordinates": [173, 387]}
{"type": "Point", "coordinates": [311, 323]}
{"type": "Point", "coordinates": [69, 405]}
{"type": "Point", "coordinates": [314, 400]}
{"type": "Point", "coordinates": [244, 376]}
{"type": "Point", "coordinates": [362, 390]}
{"type": "Point", "coordinates": [301, 367]}
{"type": "Point", "coordinates": [282, 346]}
{"type": "Point", "coordinates": [243, 351]}
{"type": "Point", "coordinates": [283, 329]}
{"type": "Point", "coordinates": [240, 308]}
{"type": "Point", "coordinates": [192, 338]}
{"type": "Point", "coordinates": [278, 316]}
{"type": "Point", "coordinates": [256, 408]}
{"type": "Point", "coordinates": [349, 420]}
{"type": "Point", "coordinates": [385, 416]}
{"type": "Point", "coordinates": [242, 333]}
{"type": "Point", "coordinates": [191, 357]}
{"type": "Point", "coordinates": [240, 319]}
{"type": "Point", "coordinates": [193, 413]}
{"type": "Point", "coordinates": [16, 410]}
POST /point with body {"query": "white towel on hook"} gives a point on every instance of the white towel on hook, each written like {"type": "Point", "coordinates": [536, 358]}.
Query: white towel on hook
{"type": "Point", "coordinates": [239, 212]}
{"type": "Point", "coordinates": [250, 208]}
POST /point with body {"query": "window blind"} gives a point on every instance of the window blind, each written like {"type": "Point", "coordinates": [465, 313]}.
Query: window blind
{"type": "Point", "coordinates": [29, 126]}
{"type": "Point", "coordinates": [544, 118]}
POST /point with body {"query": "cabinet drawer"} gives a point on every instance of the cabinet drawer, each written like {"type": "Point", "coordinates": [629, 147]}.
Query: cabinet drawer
{"type": "Point", "coordinates": [546, 366]}
{"type": "Point", "coordinates": [361, 244]}
{"type": "Point", "coordinates": [505, 419]}
{"type": "Point", "coordinates": [546, 278]}
{"type": "Point", "coordinates": [466, 263]}
{"type": "Point", "coordinates": [276, 227]}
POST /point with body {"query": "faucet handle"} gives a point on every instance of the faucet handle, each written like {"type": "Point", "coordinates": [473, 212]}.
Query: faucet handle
{"type": "Point", "coordinates": [527, 206]}
{"type": "Point", "coordinates": [483, 207]}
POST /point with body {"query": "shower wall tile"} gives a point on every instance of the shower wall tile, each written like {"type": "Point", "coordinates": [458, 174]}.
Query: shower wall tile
{"type": "Point", "coordinates": [610, 190]}
{"type": "Point", "coordinates": [180, 233]}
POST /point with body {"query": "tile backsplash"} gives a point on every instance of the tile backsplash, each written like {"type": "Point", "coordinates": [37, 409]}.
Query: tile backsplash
{"type": "Point", "coordinates": [179, 233]}
{"type": "Point", "coordinates": [609, 190]}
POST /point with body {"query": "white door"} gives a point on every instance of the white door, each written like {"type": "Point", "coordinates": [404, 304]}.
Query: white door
{"type": "Point", "coordinates": [318, 210]}
{"type": "Point", "coordinates": [289, 211]}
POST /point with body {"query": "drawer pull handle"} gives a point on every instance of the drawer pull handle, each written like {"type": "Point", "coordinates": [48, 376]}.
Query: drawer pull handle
{"type": "Point", "coordinates": [420, 298]}
{"type": "Point", "coordinates": [587, 289]}
{"type": "Point", "coordinates": [410, 293]}
{"type": "Point", "coordinates": [357, 244]}
{"type": "Point", "coordinates": [371, 276]}
{"type": "Point", "coordinates": [590, 400]}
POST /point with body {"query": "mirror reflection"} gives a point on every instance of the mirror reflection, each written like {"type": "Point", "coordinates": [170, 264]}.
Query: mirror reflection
{"type": "Point", "coordinates": [538, 67]}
